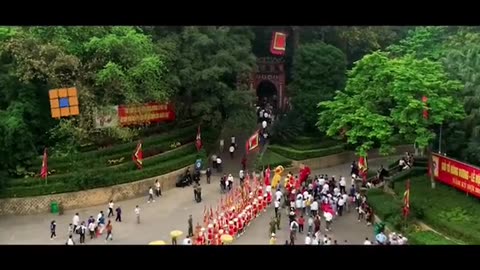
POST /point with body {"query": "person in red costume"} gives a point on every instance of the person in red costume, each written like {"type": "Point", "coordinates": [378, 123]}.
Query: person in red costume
{"type": "Point", "coordinates": [304, 173]}
{"type": "Point", "coordinates": [201, 237]}
{"type": "Point", "coordinates": [231, 230]}
{"type": "Point", "coordinates": [269, 198]}
{"type": "Point", "coordinates": [241, 221]}
{"type": "Point", "coordinates": [260, 204]}
{"type": "Point", "coordinates": [259, 191]}
{"type": "Point", "coordinates": [255, 209]}
{"type": "Point", "coordinates": [235, 227]}
{"type": "Point", "coordinates": [209, 234]}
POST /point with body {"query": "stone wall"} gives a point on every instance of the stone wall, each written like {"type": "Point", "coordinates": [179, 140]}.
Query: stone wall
{"type": "Point", "coordinates": [87, 198]}
{"type": "Point", "coordinates": [345, 157]}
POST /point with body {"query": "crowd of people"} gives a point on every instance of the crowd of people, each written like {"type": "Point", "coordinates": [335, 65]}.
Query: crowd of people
{"type": "Point", "coordinates": [322, 200]}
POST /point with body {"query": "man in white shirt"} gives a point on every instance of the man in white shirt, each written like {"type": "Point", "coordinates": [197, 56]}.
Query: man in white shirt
{"type": "Point", "coordinates": [325, 188]}
{"type": "Point", "coordinates": [219, 164]}
{"type": "Point", "coordinates": [321, 181]}
{"type": "Point", "coordinates": [91, 229]}
{"type": "Point", "coordinates": [343, 185]}
{"type": "Point", "coordinates": [278, 195]}
{"type": "Point", "coordinates": [264, 124]}
{"type": "Point", "coordinates": [75, 222]}
{"type": "Point", "coordinates": [233, 140]}
{"type": "Point", "coordinates": [310, 224]}
{"type": "Point", "coordinates": [308, 239]}
{"type": "Point", "coordinates": [345, 200]}
{"type": "Point", "coordinates": [328, 218]}
{"type": "Point", "coordinates": [277, 207]}
{"type": "Point", "coordinates": [110, 209]}
{"type": "Point", "coordinates": [341, 204]}
{"type": "Point", "coordinates": [367, 242]}
{"type": "Point", "coordinates": [232, 151]}
{"type": "Point", "coordinates": [314, 241]}
{"type": "Point", "coordinates": [150, 195]}
{"type": "Point", "coordinates": [137, 213]}
{"type": "Point", "coordinates": [222, 145]}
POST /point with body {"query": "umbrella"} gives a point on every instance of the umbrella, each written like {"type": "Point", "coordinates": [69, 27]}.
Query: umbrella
{"type": "Point", "coordinates": [157, 243]}
{"type": "Point", "coordinates": [226, 239]}
{"type": "Point", "coordinates": [176, 233]}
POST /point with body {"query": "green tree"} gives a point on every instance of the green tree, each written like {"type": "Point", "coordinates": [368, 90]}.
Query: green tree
{"type": "Point", "coordinates": [383, 98]}
{"type": "Point", "coordinates": [209, 61]}
{"type": "Point", "coordinates": [318, 71]}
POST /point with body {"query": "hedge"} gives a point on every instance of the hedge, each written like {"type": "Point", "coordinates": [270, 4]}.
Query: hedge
{"type": "Point", "coordinates": [273, 159]}
{"type": "Point", "coordinates": [101, 162]}
{"type": "Point", "coordinates": [445, 209]}
{"type": "Point", "coordinates": [389, 209]}
{"type": "Point", "coordinates": [123, 148]}
{"type": "Point", "coordinates": [91, 179]}
{"type": "Point", "coordinates": [113, 170]}
{"type": "Point", "coordinates": [428, 238]}
{"type": "Point", "coordinates": [318, 144]}
{"type": "Point", "coordinates": [307, 154]}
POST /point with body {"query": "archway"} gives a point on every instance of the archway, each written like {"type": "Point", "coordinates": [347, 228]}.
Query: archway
{"type": "Point", "coordinates": [267, 93]}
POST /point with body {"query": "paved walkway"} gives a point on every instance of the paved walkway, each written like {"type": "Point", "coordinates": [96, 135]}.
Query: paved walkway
{"type": "Point", "coordinates": [159, 218]}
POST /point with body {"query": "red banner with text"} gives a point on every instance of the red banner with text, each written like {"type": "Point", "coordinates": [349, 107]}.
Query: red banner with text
{"type": "Point", "coordinates": [148, 113]}
{"type": "Point", "coordinates": [457, 174]}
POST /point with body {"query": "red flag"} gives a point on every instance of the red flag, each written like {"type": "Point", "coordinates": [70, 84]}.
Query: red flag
{"type": "Point", "coordinates": [267, 176]}
{"type": "Point", "coordinates": [279, 43]}
{"type": "Point", "coordinates": [253, 142]}
{"type": "Point", "coordinates": [363, 167]}
{"type": "Point", "coordinates": [138, 156]}
{"type": "Point", "coordinates": [406, 200]}
{"type": "Point", "coordinates": [44, 170]}
{"type": "Point", "coordinates": [198, 140]}
{"type": "Point", "coordinates": [425, 111]}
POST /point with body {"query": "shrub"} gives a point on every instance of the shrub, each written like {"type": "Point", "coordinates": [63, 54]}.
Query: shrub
{"type": "Point", "coordinates": [318, 144]}
{"type": "Point", "coordinates": [307, 154]}
{"type": "Point", "coordinates": [113, 170]}
{"type": "Point", "coordinates": [272, 159]}
{"type": "Point", "coordinates": [122, 148]}
{"type": "Point", "coordinates": [428, 238]}
{"type": "Point", "coordinates": [445, 209]}
{"type": "Point", "coordinates": [93, 180]}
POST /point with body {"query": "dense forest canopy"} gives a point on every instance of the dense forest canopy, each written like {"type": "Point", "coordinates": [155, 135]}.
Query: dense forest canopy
{"type": "Point", "coordinates": [369, 81]}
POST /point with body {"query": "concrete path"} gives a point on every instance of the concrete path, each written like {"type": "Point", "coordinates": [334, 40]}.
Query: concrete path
{"type": "Point", "coordinates": [166, 214]}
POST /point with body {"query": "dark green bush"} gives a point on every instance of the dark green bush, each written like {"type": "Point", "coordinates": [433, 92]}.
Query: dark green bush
{"type": "Point", "coordinates": [445, 209]}
{"type": "Point", "coordinates": [122, 148]}
{"type": "Point", "coordinates": [91, 179]}
{"type": "Point", "coordinates": [307, 154]}
{"type": "Point", "coordinates": [272, 159]}
{"type": "Point", "coordinates": [428, 238]}
{"type": "Point", "coordinates": [119, 169]}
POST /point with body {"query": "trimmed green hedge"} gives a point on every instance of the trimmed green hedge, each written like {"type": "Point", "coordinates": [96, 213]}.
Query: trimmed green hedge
{"type": "Point", "coordinates": [121, 148]}
{"type": "Point", "coordinates": [445, 209]}
{"type": "Point", "coordinates": [307, 154]}
{"type": "Point", "coordinates": [317, 144]}
{"type": "Point", "coordinates": [428, 238]}
{"type": "Point", "coordinates": [113, 170]}
{"type": "Point", "coordinates": [272, 159]}
{"type": "Point", "coordinates": [92, 179]}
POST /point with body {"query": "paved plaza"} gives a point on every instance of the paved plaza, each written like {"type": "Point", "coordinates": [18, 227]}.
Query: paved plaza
{"type": "Point", "coordinates": [170, 212]}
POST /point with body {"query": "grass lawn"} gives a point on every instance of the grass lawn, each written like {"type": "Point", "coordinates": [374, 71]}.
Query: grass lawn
{"type": "Point", "coordinates": [445, 209]}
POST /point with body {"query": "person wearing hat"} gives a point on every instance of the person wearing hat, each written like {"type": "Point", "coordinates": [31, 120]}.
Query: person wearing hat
{"type": "Point", "coordinates": [273, 239]}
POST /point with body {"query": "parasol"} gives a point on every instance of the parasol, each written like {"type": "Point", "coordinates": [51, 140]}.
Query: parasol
{"type": "Point", "coordinates": [226, 239]}
{"type": "Point", "coordinates": [157, 243]}
{"type": "Point", "coordinates": [176, 233]}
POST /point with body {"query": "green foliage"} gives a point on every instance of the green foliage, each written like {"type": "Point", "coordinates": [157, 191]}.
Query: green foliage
{"type": "Point", "coordinates": [428, 238]}
{"type": "Point", "coordinates": [210, 61]}
{"type": "Point", "coordinates": [287, 127]}
{"type": "Point", "coordinates": [94, 179]}
{"type": "Point", "coordinates": [318, 71]}
{"type": "Point", "coordinates": [389, 91]}
{"type": "Point", "coordinates": [445, 209]}
{"type": "Point", "coordinates": [273, 159]}
{"type": "Point", "coordinates": [306, 154]}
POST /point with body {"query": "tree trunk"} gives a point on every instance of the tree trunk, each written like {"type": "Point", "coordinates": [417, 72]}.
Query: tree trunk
{"type": "Point", "coordinates": [430, 166]}
{"type": "Point", "coordinates": [296, 37]}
